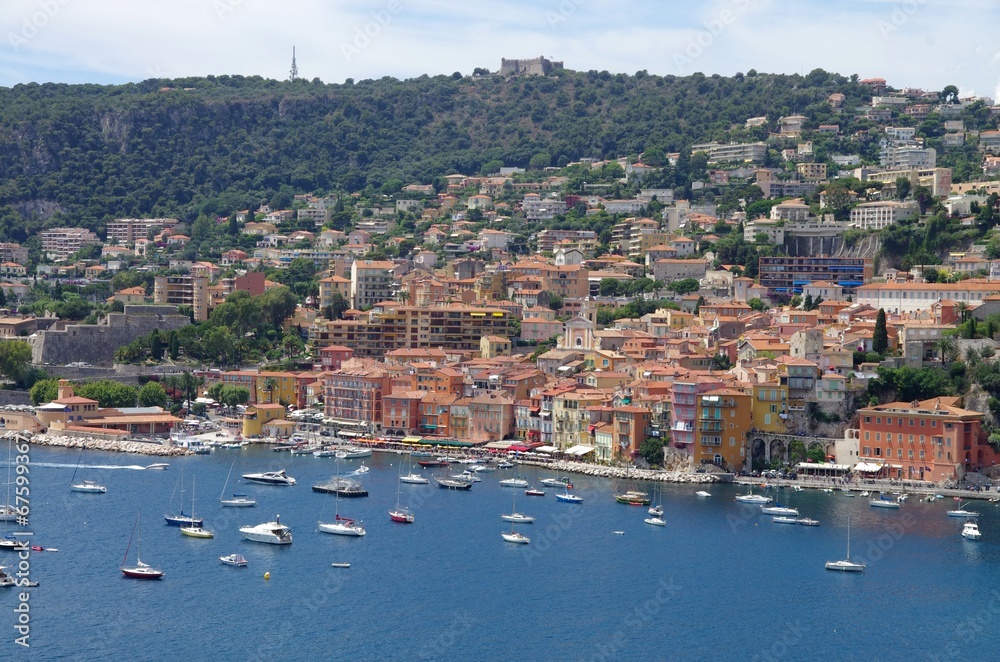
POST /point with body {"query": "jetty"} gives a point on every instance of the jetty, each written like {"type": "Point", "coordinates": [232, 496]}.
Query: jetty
{"type": "Point", "coordinates": [110, 445]}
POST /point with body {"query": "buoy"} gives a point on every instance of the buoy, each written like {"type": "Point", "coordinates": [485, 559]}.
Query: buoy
{"type": "Point", "coordinates": [267, 575]}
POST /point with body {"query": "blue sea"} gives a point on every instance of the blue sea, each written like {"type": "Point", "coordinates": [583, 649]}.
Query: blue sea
{"type": "Point", "coordinates": [719, 581]}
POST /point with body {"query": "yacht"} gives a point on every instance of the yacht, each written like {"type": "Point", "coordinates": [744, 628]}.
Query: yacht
{"type": "Point", "coordinates": [884, 502]}
{"type": "Point", "coordinates": [235, 560]}
{"type": "Point", "coordinates": [449, 484]}
{"type": "Point", "coordinates": [415, 479]}
{"type": "Point", "coordinates": [556, 482]}
{"type": "Point", "coordinates": [272, 533]}
{"type": "Point", "coordinates": [750, 497]}
{"type": "Point", "coordinates": [238, 501]}
{"type": "Point", "coordinates": [515, 537]}
{"type": "Point", "coordinates": [970, 531]}
{"type": "Point", "coordinates": [514, 482]}
{"type": "Point", "coordinates": [354, 453]}
{"type": "Point", "coordinates": [271, 478]}
{"type": "Point", "coordinates": [343, 526]}
{"type": "Point", "coordinates": [88, 487]}
{"type": "Point", "coordinates": [157, 466]}
{"type": "Point", "coordinates": [655, 521]}
{"type": "Point", "coordinates": [785, 520]}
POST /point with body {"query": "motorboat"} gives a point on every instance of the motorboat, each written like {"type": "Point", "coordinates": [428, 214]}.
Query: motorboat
{"type": "Point", "coordinates": [342, 487]}
{"type": "Point", "coordinates": [962, 512]}
{"type": "Point", "coordinates": [362, 470]}
{"type": "Point", "coordinates": [846, 565]}
{"type": "Point", "coordinates": [483, 468]}
{"type": "Point", "coordinates": [12, 543]}
{"type": "Point", "coordinates": [325, 452]}
{"type": "Point", "coordinates": [271, 533]}
{"type": "Point", "coordinates": [88, 487]}
{"type": "Point", "coordinates": [450, 484]}
{"type": "Point", "coordinates": [970, 531]}
{"type": "Point", "coordinates": [566, 497]}
{"type": "Point", "coordinates": [341, 565]}
{"type": "Point", "coordinates": [884, 502]}
{"type": "Point", "coordinates": [470, 476]}
{"type": "Point", "coordinates": [271, 478]}
{"type": "Point", "coordinates": [514, 482]}
{"type": "Point", "coordinates": [438, 462]}
{"type": "Point", "coordinates": [778, 509]}
{"type": "Point", "coordinates": [866, 493]}
{"type": "Point", "coordinates": [515, 537]}
{"type": "Point", "coordinates": [342, 526]}
{"type": "Point", "coordinates": [656, 511]}
{"type": "Point", "coordinates": [703, 494]}
{"type": "Point", "coordinates": [807, 521]}
{"type": "Point", "coordinates": [140, 570]}
{"type": "Point", "coordinates": [414, 479]}
{"type": "Point", "coordinates": [157, 466]}
{"type": "Point", "coordinates": [785, 520]}
{"type": "Point", "coordinates": [556, 482]}
{"type": "Point", "coordinates": [354, 453]}
{"type": "Point", "coordinates": [504, 464]}
{"type": "Point", "coordinates": [234, 560]}
{"type": "Point", "coordinates": [847, 493]}
{"type": "Point", "coordinates": [799, 488]}
{"type": "Point", "coordinates": [655, 521]}
{"type": "Point", "coordinates": [534, 492]}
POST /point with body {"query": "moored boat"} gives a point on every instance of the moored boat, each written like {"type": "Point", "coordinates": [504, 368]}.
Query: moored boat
{"type": "Point", "coordinates": [140, 570]}
{"type": "Point", "coordinates": [534, 492]}
{"type": "Point", "coordinates": [449, 484]}
{"type": "Point", "coordinates": [236, 560]}
{"type": "Point", "coordinates": [846, 565]}
{"type": "Point", "coordinates": [272, 533]}
{"type": "Point", "coordinates": [884, 502]}
{"type": "Point", "coordinates": [514, 482]}
{"type": "Point", "coordinates": [270, 478]}
{"type": "Point", "coordinates": [970, 531]}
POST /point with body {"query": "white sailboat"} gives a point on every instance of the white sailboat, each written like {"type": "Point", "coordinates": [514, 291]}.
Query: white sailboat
{"type": "Point", "coordinates": [514, 536]}
{"type": "Point", "coordinates": [655, 510]}
{"type": "Point", "coordinates": [410, 477]}
{"type": "Point", "coordinates": [238, 500]}
{"type": "Point", "coordinates": [195, 530]}
{"type": "Point", "coordinates": [515, 516]}
{"type": "Point", "coordinates": [962, 512]}
{"type": "Point", "coordinates": [8, 512]}
{"type": "Point", "coordinates": [341, 526]}
{"type": "Point", "coordinates": [85, 486]}
{"type": "Point", "coordinates": [140, 570]}
{"type": "Point", "coordinates": [398, 514]}
{"type": "Point", "coordinates": [846, 565]}
{"type": "Point", "coordinates": [750, 497]}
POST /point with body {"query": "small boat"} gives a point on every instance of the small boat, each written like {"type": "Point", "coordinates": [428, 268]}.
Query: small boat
{"type": "Point", "coordinates": [618, 533]}
{"type": "Point", "coordinates": [514, 482]}
{"type": "Point", "coordinates": [325, 452]}
{"type": "Point", "coordinates": [504, 464]}
{"type": "Point", "coordinates": [703, 494]}
{"type": "Point", "coordinates": [534, 492]}
{"type": "Point", "coordinates": [799, 488]}
{"type": "Point", "coordinates": [272, 533]}
{"type": "Point", "coordinates": [515, 516]}
{"type": "Point", "coordinates": [750, 497]}
{"type": "Point", "coordinates": [483, 468]}
{"type": "Point", "coordinates": [12, 543]}
{"type": "Point", "coordinates": [785, 520]}
{"type": "Point", "coordinates": [342, 487]}
{"type": "Point", "coordinates": [866, 493]}
{"type": "Point", "coordinates": [341, 565]}
{"type": "Point", "coordinates": [182, 519]}
{"type": "Point", "coordinates": [807, 521]}
{"type": "Point", "coordinates": [848, 493]}
{"type": "Point", "coordinates": [656, 511]}
{"type": "Point", "coordinates": [201, 449]}
{"type": "Point", "coordinates": [196, 530]}
{"type": "Point", "coordinates": [421, 454]}
{"type": "Point", "coordinates": [962, 512]}
{"type": "Point", "coordinates": [400, 514]}
{"type": "Point", "coordinates": [569, 498]}
{"type": "Point", "coordinates": [469, 476]}
{"type": "Point", "coordinates": [778, 509]}
{"type": "Point", "coordinates": [556, 482]}
{"type": "Point", "coordinates": [234, 560]}
{"type": "Point", "coordinates": [514, 536]}
{"type": "Point", "coordinates": [343, 526]}
{"type": "Point", "coordinates": [39, 548]}
{"type": "Point", "coordinates": [88, 487]}
{"type": "Point", "coordinates": [633, 498]}
{"type": "Point", "coordinates": [354, 453]}
{"type": "Point", "coordinates": [433, 463]}
{"type": "Point", "coordinates": [157, 466]}
{"type": "Point", "coordinates": [140, 570]}
{"type": "Point", "coordinates": [655, 521]}
{"type": "Point", "coordinates": [449, 484]}
{"type": "Point", "coordinates": [846, 565]}
{"type": "Point", "coordinates": [271, 478]}
{"type": "Point", "coordinates": [970, 531]}
{"type": "Point", "coordinates": [884, 502]}
{"type": "Point", "coordinates": [238, 501]}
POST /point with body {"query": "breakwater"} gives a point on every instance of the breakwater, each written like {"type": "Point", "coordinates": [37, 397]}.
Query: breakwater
{"type": "Point", "coordinates": [110, 445]}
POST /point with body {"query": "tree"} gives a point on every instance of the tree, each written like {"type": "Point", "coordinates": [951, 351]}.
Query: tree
{"type": "Point", "coordinates": [270, 386]}
{"type": "Point", "coordinates": [903, 187]}
{"type": "Point", "coordinates": [684, 286]}
{"type": "Point", "coordinates": [757, 304]}
{"type": "Point", "coordinates": [880, 338]}
{"type": "Point", "coordinates": [949, 94]}
{"type": "Point", "coordinates": [108, 393]}
{"type": "Point", "coordinates": [155, 345]}
{"type": "Point", "coordinates": [152, 394]}
{"type": "Point", "coordinates": [808, 303]}
{"type": "Point", "coordinates": [44, 390]}
{"type": "Point", "coordinates": [174, 346]}
{"type": "Point", "coordinates": [189, 385]}
{"type": "Point", "coordinates": [231, 396]}
{"type": "Point", "coordinates": [651, 450]}
{"type": "Point", "coordinates": [15, 359]}
{"type": "Point", "coordinates": [816, 454]}
{"type": "Point", "coordinates": [540, 160]}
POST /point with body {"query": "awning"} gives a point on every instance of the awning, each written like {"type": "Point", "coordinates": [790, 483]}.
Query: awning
{"type": "Point", "coordinates": [867, 467]}
{"type": "Point", "coordinates": [411, 440]}
{"type": "Point", "coordinates": [520, 448]}
{"type": "Point", "coordinates": [343, 433]}
{"type": "Point", "coordinates": [579, 450]}
{"type": "Point", "coordinates": [498, 445]}
{"type": "Point", "coordinates": [547, 449]}
{"type": "Point", "coordinates": [804, 466]}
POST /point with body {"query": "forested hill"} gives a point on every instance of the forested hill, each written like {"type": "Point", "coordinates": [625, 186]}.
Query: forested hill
{"type": "Point", "coordinates": [213, 145]}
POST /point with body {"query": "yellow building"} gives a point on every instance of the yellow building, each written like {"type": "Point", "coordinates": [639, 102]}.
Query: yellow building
{"type": "Point", "coordinates": [491, 347]}
{"type": "Point", "coordinates": [770, 407]}
{"type": "Point", "coordinates": [724, 420]}
{"type": "Point", "coordinates": [257, 416]}
{"type": "Point", "coordinates": [276, 388]}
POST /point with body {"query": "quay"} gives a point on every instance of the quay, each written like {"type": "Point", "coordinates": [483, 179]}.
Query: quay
{"type": "Point", "coordinates": [873, 486]}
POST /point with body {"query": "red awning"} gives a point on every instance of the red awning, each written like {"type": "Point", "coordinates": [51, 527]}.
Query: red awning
{"type": "Point", "coordinates": [519, 447]}
{"type": "Point", "coordinates": [592, 428]}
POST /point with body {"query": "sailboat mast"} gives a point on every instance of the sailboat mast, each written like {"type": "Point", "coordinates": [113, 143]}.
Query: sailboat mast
{"type": "Point", "coordinates": [129, 547]}
{"type": "Point", "coordinates": [848, 538]}
{"type": "Point", "coordinates": [77, 468]}
{"type": "Point", "coordinates": [221, 496]}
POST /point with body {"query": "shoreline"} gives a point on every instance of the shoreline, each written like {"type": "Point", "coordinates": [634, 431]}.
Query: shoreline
{"type": "Point", "coordinates": [109, 445]}
{"type": "Point", "coordinates": [885, 486]}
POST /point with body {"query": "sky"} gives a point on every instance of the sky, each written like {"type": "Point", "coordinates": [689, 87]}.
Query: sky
{"type": "Point", "coordinates": [911, 43]}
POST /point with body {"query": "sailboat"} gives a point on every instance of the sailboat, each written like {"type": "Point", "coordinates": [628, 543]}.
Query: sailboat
{"type": "Point", "coordinates": [195, 530]}
{"type": "Point", "coordinates": [657, 510]}
{"type": "Point", "coordinates": [515, 516]}
{"type": "Point", "coordinates": [632, 497]}
{"type": "Point", "coordinates": [238, 500]}
{"type": "Point", "coordinates": [85, 486]}
{"type": "Point", "coordinates": [341, 526]}
{"type": "Point", "coordinates": [514, 536]}
{"type": "Point", "coordinates": [569, 498]}
{"type": "Point", "coordinates": [182, 519]}
{"type": "Point", "coordinates": [750, 497]}
{"type": "Point", "coordinates": [962, 512]}
{"type": "Point", "coordinates": [398, 514]}
{"type": "Point", "coordinates": [410, 477]}
{"type": "Point", "coordinates": [140, 570]}
{"type": "Point", "coordinates": [847, 565]}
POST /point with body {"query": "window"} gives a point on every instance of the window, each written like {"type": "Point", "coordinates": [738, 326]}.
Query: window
{"type": "Point", "coordinates": [888, 421]}
{"type": "Point", "coordinates": [921, 455]}
{"type": "Point", "coordinates": [867, 435]}
{"type": "Point", "coordinates": [899, 453]}
{"type": "Point", "coordinates": [911, 422]}
{"type": "Point", "coordinates": [911, 439]}
{"type": "Point", "coordinates": [878, 436]}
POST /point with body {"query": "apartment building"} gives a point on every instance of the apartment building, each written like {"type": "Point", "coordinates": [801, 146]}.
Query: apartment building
{"type": "Point", "coordinates": [371, 282]}
{"type": "Point", "coordinates": [907, 157]}
{"type": "Point", "coordinates": [684, 405]}
{"type": "Point", "coordinates": [547, 239]}
{"type": "Point", "coordinates": [938, 180]}
{"type": "Point", "coordinates": [931, 440]}
{"type": "Point", "coordinates": [881, 214]}
{"type": "Point", "coordinates": [63, 242]}
{"type": "Point", "coordinates": [126, 231]}
{"type": "Point", "coordinates": [908, 297]}
{"type": "Point", "coordinates": [789, 274]}
{"type": "Point", "coordinates": [742, 152]}
{"type": "Point", "coordinates": [537, 208]}
{"type": "Point", "coordinates": [812, 172]}
{"type": "Point", "coordinates": [724, 417]}
{"type": "Point", "coordinates": [353, 399]}
{"type": "Point", "coordinates": [183, 290]}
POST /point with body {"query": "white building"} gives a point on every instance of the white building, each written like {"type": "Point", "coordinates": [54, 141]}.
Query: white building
{"type": "Point", "coordinates": [878, 215]}
{"type": "Point", "coordinates": [908, 157]}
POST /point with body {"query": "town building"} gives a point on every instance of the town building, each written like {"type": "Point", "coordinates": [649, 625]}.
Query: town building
{"type": "Point", "coordinates": [63, 242]}
{"type": "Point", "coordinates": [789, 274]}
{"type": "Point", "coordinates": [183, 290]}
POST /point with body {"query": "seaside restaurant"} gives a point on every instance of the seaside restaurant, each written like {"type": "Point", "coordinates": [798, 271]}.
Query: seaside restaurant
{"type": "Point", "coordinates": [822, 469]}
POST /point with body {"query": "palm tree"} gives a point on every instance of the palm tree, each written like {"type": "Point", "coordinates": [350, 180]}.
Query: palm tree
{"type": "Point", "coordinates": [962, 308]}
{"type": "Point", "coordinates": [946, 348]}
{"type": "Point", "coordinates": [270, 384]}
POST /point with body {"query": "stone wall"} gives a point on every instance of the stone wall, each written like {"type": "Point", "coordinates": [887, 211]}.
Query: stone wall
{"type": "Point", "coordinates": [97, 343]}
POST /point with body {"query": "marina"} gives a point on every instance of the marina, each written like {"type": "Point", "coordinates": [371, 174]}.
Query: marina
{"type": "Point", "coordinates": [653, 566]}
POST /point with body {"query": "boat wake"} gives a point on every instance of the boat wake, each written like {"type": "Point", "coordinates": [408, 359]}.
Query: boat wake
{"type": "Point", "coordinates": [59, 465]}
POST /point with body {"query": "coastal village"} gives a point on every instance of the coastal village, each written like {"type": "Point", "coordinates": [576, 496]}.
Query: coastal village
{"type": "Point", "coordinates": [486, 311]}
